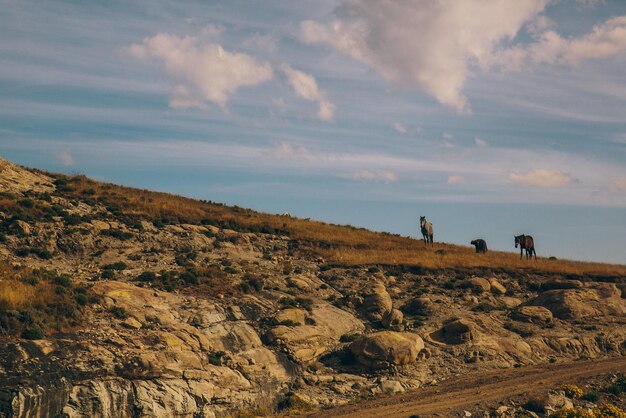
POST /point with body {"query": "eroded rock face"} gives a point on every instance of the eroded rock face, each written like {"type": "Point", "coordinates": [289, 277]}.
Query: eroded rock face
{"type": "Point", "coordinates": [532, 314]}
{"type": "Point", "coordinates": [393, 320]}
{"type": "Point", "coordinates": [16, 179]}
{"type": "Point", "coordinates": [385, 348]}
{"type": "Point", "coordinates": [377, 303]}
{"type": "Point", "coordinates": [307, 342]}
{"type": "Point", "coordinates": [598, 299]}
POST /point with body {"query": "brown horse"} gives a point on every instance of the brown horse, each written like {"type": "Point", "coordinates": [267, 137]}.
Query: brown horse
{"type": "Point", "coordinates": [527, 243]}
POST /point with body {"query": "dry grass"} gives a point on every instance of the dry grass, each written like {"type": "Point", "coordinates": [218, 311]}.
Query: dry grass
{"type": "Point", "coordinates": [16, 295]}
{"type": "Point", "coordinates": [337, 244]}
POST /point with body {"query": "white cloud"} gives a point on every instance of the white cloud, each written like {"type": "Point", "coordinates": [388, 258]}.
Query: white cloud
{"type": "Point", "coordinates": [306, 87]}
{"type": "Point", "coordinates": [456, 179]}
{"type": "Point", "coordinates": [201, 71]}
{"type": "Point", "coordinates": [65, 157]}
{"type": "Point", "coordinates": [619, 184]}
{"type": "Point", "coordinates": [285, 150]}
{"type": "Point", "coordinates": [480, 143]}
{"type": "Point", "coordinates": [425, 44]}
{"type": "Point", "coordinates": [374, 176]}
{"type": "Point", "coordinates": [399, 127]}
{"type": "Point", "coordinates": [606, 40]}
{"type": "Point", "coordinates": [542, 178]}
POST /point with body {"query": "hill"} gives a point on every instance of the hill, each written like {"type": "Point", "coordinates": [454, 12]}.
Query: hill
{"type": "Point", "coordinates": [123, 302]}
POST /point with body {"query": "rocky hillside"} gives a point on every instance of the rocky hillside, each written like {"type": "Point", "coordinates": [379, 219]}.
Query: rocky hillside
{"type": "Point", "coordinates": [120, 302]}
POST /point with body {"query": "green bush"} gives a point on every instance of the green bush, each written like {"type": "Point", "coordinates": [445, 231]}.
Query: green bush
{"type": "Point", "coordinates": [32, 333]}
{"type": "Point", "coordinates": [118, 265]}
{"type": "Point", "coordinates": [147, 276]}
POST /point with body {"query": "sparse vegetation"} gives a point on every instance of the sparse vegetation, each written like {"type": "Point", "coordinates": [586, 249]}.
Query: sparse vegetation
{"type": "Point", "coordinates": [34, 301]}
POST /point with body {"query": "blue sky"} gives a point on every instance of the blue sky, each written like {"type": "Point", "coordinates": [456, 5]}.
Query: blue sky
{"type": "Point", "coordinates": [492, 118]}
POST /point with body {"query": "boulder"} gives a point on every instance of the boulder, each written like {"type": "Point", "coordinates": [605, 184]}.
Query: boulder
{"type": "Point", "coordinates": [385, 348]}
{"type": "Point", "coordinates": [293, 315]}
{"type": "Point", "coordinates": [497, 287]}
{"type": "Point", "coordinates": [458, 331]}
{"type": "Point", "coordinates": [377, 303]}
{"type": "Point", "coordinates": [532, 314]}
{"type": "Point", "coordinates": [477, 284]}
{"type": "Point", "coordinates": [307, 342]}
{"type": "Point", "coordinates": [597, 299]}
{"type": "Point", "coordinates": [393, 320]}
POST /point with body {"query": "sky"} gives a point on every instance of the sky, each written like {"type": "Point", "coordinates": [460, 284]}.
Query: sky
{"type": "Point", "coordinates": [491, 118]}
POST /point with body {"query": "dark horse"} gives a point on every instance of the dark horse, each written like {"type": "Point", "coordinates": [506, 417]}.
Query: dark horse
{"type": "Point", "coordinates": [480, 244]}
{"type": "Point", "coordinates": [527, 243]}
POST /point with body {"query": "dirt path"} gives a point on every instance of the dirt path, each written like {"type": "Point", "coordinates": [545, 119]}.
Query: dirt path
{"type": "Point", "coordinates": [485, 389]}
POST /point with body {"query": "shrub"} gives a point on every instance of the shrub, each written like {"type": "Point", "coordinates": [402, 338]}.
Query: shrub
{"type": "Point", "coordinates": [118, 265]}
{"type": "Point", "coordinates": [591, 396]}
{"type": "Point", "coordinates": [63, 280]}
{"type": "Point", "coordinates": [536, 405]}
{"type": "Point", "coordinates": [618, 387]}
{"type": "Point", "coordinates": [107, 274]}
{"type": "Point", "coordinates": [215, 357]}
{"type": "Point", "coordinates": [348, 338]}
{"type": "Point", "coordinates": [572, 391]}
{"type": "Point", "coordinates": [119, 312]}
{"type": "Point", "coordinates": [81, 299]}
{"type": "Point", "coordinates": [146, 276]}
{"type": "Point", "coordinates": [33, 333]}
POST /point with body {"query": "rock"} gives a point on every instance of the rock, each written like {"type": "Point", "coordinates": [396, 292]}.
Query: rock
{"type": "Point", "coordinates": [305, 343]}
{"type": "Point", "coordinates": [497, 287]}
{"type": "Point", "coordinates": [377, 303]}
{"type": "Point", "coordinates": [422, 305]}
{"type": "Point", "coordinates": [131, 323]}
{"type": "Point", "coordinates": [510, 302]}
{"type": "Point", "coordinates": [100, 225]}
{"type": "Point", "coordinates": [477, 284]}
{"type": "Point", "coordinates": [598, 299]}
{"type": "Point", "coordinates": [557, 401]}
{"type": "Point", "coordinates": [385, 348]}
{"type": "Point", "coordinates": [458, 332]}
{"type": "Point", "coordinates": [389, 387]}
{"type": "Point", "coordinates": [393, 320]}
{"type": "Point", "coordinates": [622, 288]}
{"type": "Point", "coordinates": [532, 314]}
{"type": "Point", "coordinates": [20, 227]}
{"type": "Point", "coordinates": [16, 179]}
{"type": "Point", "coordinates": [294, 315]}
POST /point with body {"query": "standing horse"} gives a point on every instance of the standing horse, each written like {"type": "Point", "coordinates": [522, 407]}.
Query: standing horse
{"type": "Point", "coordinates": [427, 230]}
{"type": "Point", "coordinates": [527, 243]}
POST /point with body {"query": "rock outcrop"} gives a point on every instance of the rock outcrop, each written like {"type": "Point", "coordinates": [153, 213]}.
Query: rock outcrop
{"type": "Point", "coordinates": [387, 348]}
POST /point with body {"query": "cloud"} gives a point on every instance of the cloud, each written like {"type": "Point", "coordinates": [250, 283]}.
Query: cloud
{"type": "Point", "coordinates": [374, 176]}
{"type": "Point", "coordinates": [606, 40]}
{"type": "Point", "coordinates": [480, 143]}
{"type": "Point", "coordinates": [399, 127]}
{"type": "Point", "coordinates": [456, 179]}
{"type": "Point", "coordinates": [542, 178]}
{"type": "Point", "coordinates": [425, 44]}
{"type": "Point", "coordinates": [285, 150]}
{"type": "Point", "coordinates": [619, 184]}
{"type": "Point", "coordinates": [257, 42]}
{"type": "Point", "coordinates": [200, 71]}
{"type": "Point", "coordinates": [306, 87]}
{"type": "Point", "coordinates": [65, 157]}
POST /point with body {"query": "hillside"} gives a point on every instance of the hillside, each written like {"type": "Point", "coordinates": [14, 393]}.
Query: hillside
{"type": "Point", "coordinates": [123, 302]}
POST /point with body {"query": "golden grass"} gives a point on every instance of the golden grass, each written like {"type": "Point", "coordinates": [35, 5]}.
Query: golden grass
{"type": "Point", "coordinates": [336, 243]}
{"type": "Point", "coordinates": [16, 295]}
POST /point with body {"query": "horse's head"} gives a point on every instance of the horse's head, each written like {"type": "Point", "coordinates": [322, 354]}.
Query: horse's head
{"type": "Point", "coordinates": [518, 240]}
{"type": "Point", "coordinates": [473, 243]}
{"type": "Point", "coordinates": [422, 220]}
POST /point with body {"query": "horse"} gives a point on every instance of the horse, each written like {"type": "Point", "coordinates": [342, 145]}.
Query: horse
{"type": "Point", "coordinates": [527, 243]}
{"type": "Point", "coordinates": [427, 230]}
{"type": "Point", "coordinates": [480, 244]}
